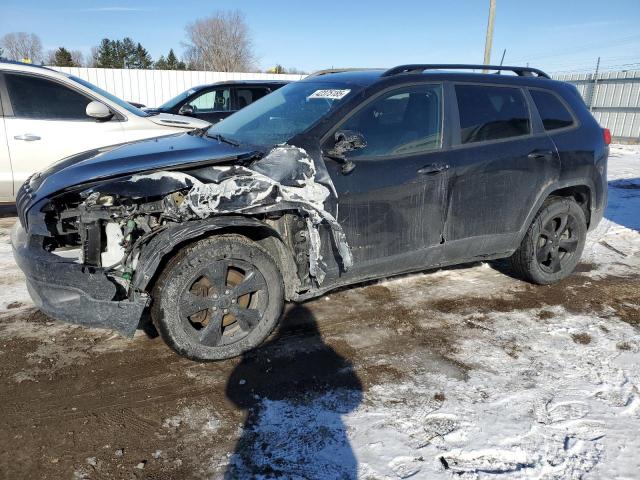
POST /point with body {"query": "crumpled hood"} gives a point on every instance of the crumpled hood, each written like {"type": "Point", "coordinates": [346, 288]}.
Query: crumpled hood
{"type": "Point", "coordinates": [145, 155]}
{"type": "Point", "coordinates": [180, 121]}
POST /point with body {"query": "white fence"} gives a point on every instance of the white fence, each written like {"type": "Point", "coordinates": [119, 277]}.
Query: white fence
{"type": "Point", "coordinates": [154, 87]}
{"type": "Point", "coordinates": [613, 98]}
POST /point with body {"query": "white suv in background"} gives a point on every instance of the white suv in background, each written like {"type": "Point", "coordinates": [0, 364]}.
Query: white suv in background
{"type": "Point", "coordinates": [47, 115]}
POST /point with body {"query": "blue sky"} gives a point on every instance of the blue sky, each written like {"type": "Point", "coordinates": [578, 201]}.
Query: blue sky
{"type": "Point", "coordinates": [553, 35]}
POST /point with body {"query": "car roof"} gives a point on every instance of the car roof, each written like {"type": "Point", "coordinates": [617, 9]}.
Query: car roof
{"type": "Point", "coordinates": [31, 68]}
{"type": "Point", "coordinates": [367, 77]}
{"type": "Point", "coordinates": [240, 83]}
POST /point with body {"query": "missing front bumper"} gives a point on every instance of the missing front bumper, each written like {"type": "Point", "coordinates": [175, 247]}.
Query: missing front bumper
{"type": "Point", "coordinates": [72, 292]}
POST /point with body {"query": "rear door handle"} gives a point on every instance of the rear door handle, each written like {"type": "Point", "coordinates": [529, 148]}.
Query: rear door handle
{"type": "Point", "coordinates": [540, 155]}
{"type": "Point", "coordinates": [433, 169]}
{"type": "Point", "coordinates": [27, 137]}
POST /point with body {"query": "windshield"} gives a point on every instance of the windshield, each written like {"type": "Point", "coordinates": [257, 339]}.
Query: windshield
{"type": "Point", "coordinates": [127, 106]}
{"type": "Point", "coordinates": [283, 114]}
{"type": "Point", "coordinates": [169, 104]}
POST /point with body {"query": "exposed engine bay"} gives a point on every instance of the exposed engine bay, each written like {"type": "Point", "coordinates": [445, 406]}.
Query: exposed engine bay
{"type": "Point", "coordinates": [112, 223]}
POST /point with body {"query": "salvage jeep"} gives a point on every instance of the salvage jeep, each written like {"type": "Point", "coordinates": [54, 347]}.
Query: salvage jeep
{"type": "Point", "coordinates": [343, 177]}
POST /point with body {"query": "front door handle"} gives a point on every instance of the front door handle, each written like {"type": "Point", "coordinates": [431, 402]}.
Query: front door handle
{"type": "Point", "coordinates": [27, 137]}
{"type": "Point", "coordinates": [433, 169]}
{"type": "Point", "coordinates": [540, 155]}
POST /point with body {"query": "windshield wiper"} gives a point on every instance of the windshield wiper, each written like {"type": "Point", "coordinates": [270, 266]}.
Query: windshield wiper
{"type": "Point", "coordinates": [199, 132]}
{"type": "Point", "coordinates": [224, 139]}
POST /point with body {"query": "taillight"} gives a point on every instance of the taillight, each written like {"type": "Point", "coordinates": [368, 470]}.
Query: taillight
{"type": "Point", "coordinates": [606, 133]}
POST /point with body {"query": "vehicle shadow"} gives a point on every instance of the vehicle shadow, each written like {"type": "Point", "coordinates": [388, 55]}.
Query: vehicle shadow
{"type": "Point", "coordinates": [295, 390]}
{"type": "Point", "coordinates": [624, 203]}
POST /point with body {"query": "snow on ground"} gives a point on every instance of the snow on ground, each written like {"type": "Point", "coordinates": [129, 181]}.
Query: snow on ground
{"type": "Point", "coordinates": [12, 287]}
{"type": "Point", "coordinates": [524, 390]}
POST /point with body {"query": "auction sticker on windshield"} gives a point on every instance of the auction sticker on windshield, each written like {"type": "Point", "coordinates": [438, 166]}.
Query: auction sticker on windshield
{"type": "Point", "coordinates": [331, 94]}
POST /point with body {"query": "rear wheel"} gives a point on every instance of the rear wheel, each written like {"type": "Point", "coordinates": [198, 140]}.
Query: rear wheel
{"type": "Point", "coordinates": [218, 298]}
{"type": "Point", "coordinates": [552, 246]}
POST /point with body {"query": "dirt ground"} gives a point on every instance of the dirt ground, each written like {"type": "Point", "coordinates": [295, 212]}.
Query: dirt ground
{"type": "Point", "coordinates": [81, 403]}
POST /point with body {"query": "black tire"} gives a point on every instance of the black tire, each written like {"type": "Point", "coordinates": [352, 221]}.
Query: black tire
{"type": "Point", "coordinates": [217, 298]}
{"type": "Point", "coordinates": [552, 246]}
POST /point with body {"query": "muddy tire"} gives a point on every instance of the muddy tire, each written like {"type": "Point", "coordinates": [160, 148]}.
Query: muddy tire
{"type": "Point", "coordinates": [552, 246]}
{"type": "Point", "coordinates": [217, 298]}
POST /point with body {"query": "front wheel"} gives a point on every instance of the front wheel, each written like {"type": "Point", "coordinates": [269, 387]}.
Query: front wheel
{"type": "Point", "coordinates": [552, 246]}
{"type": "Point", "coordinates": [218, 298]}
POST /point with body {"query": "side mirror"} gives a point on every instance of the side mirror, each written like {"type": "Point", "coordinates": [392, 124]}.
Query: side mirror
{"type": "Point", "coordinates": [186, 109]}
{"type": "Point", "coordinates": [99, 111]}
{"type": "Point", "coordinates": [346, 141]}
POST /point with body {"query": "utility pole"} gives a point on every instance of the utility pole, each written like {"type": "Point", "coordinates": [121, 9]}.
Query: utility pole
{"type": "Point", "coordinates": [594, 85]}
{"type": "Point", "coordinates": [489, 38]}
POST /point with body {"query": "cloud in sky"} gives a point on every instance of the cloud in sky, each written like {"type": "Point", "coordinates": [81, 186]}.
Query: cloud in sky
{"type": "Point", "coordinates": [113, 9]}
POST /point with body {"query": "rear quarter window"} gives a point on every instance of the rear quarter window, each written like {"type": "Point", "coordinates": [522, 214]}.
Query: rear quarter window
{"type": "Point", "coordinates": [553, 113]}
{"type": "Point", "coordinates": [491, 113]}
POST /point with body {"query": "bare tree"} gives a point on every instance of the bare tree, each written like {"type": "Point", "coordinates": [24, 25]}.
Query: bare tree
{"type": "Point", "coordinates": [92, 58]}
{"type": "Point", "coordinates": [77, 57]}
{"type": "Point", "coordinates": [22, 46]}
{"type": "Point", "coordinates": [221, 43]}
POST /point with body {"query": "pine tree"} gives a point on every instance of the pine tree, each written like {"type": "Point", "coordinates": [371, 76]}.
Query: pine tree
{"type": "Point", "coordinates": [106, 54]}
{"type": "Point", "coordinates": [142, 59]}
{"type": "Point", "coordinates": [63, 58]}
{"type": "Point", "coordinates": [127, 53]}
{"type": "Point", "coordinates": [161, 64]}
{"type": "Point", "coordinates": [172, 61]}
{"type": "Point", "coordinates": [123, 53]}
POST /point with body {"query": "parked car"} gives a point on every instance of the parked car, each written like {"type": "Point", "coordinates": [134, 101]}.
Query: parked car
{"type": "Point", "coordinates": [330, 181]}
{"type": "Point", "coordinates": [216, 101]}
{"type": "Point", "coordinates": [47, 115]}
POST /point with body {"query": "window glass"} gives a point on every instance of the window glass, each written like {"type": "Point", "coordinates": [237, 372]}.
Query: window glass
{"type": "Point", "coordinates": [118, 101]}
{"type": "Point", "coordinates": [405, 121]}
{"type": "Point", "coordinates": [212, 101]}
{"type": "Point", "coordinates": [246, 96]}
{"type": "Point", "coordinates": [491, 113]}
{"type": "Point", "coordinates": [33, 97]}
{"type": "Point", "coordinates": [553, 113]}
{"type": "Point", "coordinates": [285, 113]}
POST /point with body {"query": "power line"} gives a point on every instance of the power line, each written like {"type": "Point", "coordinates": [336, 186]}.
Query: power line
{"type": "Point", "coordinates": [628, 40]}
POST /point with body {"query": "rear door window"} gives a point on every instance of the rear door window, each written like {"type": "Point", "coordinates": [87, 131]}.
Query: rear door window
{"type": "Point", "coordinates": [491, 113]}
{"type": "Point", "coordinates": [248, 95]}
{"type": "Point", "coordinates": [552, 111]}
{"type": "Point", "coordinates": [39, 98]}
{"type": "Point", "coordinates": [402, 122]}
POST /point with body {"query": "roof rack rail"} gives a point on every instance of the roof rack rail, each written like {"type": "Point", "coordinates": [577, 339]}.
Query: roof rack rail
{"type": "Point", "coordinates": [338, 70]}
{"type": "Point", "coordinates": [419, 68]}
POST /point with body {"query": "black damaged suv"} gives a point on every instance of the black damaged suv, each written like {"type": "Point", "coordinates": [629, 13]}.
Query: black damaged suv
{"type": "Point", "coordinates": [342, 177]}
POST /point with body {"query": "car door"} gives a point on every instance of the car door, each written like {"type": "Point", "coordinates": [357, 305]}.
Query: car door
{"type": "Point", "coordinates": [392, 205]}
{"type": "Point", "coordinates": [46, 121]}
{"type": "Point", "coordinates": [212, 105]}
{"type": "Point", "coordinates": [502, 163]}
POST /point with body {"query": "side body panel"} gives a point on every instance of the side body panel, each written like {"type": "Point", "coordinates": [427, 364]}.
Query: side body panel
{"type": "Point", "coordinates": [6, 172]}
{"type": "Point", "coordinates": [36, 144]}
{"type": "Point", "coordinates": [583, 153]}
